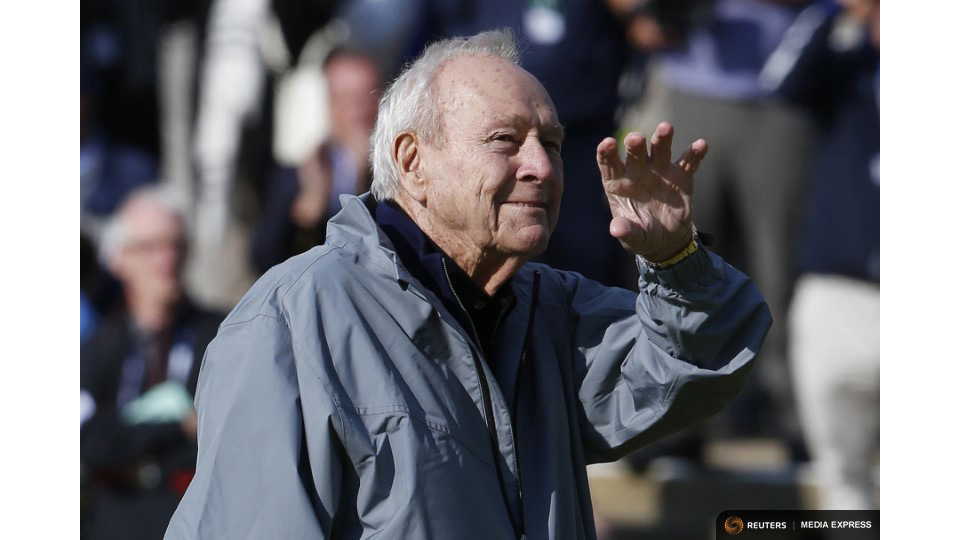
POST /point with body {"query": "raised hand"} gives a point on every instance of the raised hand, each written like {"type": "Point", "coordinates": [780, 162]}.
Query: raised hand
{"type": "Point", "coordinates": [651, 199]}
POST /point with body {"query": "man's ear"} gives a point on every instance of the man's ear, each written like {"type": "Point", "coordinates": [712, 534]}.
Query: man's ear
{"type": "Point", "coordinates": [406, 154]}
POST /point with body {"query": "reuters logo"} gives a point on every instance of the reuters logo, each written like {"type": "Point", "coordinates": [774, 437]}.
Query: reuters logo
{"type": "Point", "coordinates": [733, 525]}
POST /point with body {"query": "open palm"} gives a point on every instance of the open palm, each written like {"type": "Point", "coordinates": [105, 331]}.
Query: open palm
{"type": "Point", "coordinates": [651, 198]}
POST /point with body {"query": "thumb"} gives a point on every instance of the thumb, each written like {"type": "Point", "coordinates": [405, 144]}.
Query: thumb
{"type": "Point", "coordinates": [627, 232]}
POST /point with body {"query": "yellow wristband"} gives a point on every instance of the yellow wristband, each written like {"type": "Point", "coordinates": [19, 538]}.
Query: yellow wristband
{"type": "Point", "coordinates": [687, 251]}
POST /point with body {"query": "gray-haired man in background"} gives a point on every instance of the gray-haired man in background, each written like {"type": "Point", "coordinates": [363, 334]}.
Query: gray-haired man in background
{"type": "Point", "coordinates": [138, 374]}
{"type": "Point", "coordinates": [416, 377]}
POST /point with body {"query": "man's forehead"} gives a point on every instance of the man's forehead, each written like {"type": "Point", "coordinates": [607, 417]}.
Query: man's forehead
{"type": "Point", "coordinates": [487, 71]}
{"type": "Point", "coordinates": [491, 81]}
{"type": "Point", "coordinates": [146, 217]}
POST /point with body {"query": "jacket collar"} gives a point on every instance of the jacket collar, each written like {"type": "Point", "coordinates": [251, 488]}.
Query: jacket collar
{"type": "Point", "coordinates": [356, 225]}
{"type": "Point", "coordinates": [417, 253]}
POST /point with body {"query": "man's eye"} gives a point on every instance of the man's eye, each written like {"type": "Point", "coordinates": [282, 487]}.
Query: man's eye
{"type": "Point", "coordinates": [552, 145]}
{"type": "Point", "coordinates": [503, 137]}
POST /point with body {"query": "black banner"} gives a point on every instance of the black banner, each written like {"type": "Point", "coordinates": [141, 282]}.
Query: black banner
{"type": "Point", "coordinates": [799, 524]}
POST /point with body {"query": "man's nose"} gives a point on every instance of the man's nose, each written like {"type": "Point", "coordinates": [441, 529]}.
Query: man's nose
{"type": "Point", "coordinates": [167, 253]}
{"type": "Point", "coordinates": [535, 164]}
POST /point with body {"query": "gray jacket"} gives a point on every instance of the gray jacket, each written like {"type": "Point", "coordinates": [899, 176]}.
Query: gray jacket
{"type": "Point", "coordinates": [341, 399]}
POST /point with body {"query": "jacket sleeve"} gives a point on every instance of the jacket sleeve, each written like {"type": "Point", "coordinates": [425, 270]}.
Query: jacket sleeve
{"type": "Point", "coordinates": [650, 364]}
{"type": "Point", "coordinates": [259, 451]}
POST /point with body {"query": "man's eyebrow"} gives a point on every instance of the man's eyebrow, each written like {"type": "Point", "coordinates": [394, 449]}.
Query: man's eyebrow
{"type": "Point", "coordinates": [514, 119]}
{"type": "Point", "coordinates": [506, 119]}
{"type": "Point", "coordinates": [555, 129]}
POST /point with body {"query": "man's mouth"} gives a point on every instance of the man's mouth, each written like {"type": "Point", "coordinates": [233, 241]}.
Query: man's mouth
{"type": "Point", "coordinates": [528, 204]}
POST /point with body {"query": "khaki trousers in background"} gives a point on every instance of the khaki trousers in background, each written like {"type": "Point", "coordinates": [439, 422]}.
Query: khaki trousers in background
{"type": "Point", "coordinates": [835, 357]}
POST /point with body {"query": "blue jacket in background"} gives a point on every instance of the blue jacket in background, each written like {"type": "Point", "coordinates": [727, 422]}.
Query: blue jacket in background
{"type": "Point", "coordinates": [836, 74]}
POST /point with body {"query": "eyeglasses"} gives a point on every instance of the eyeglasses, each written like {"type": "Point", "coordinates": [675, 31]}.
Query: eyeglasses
{"type": "Point", "coordinates": [151, 245]}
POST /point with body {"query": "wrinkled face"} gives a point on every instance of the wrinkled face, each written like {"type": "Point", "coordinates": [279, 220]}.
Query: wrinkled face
{"type": "Point", "coordinates": [152, 256]}
{"type": "Point", "coordinates": [495, 178]}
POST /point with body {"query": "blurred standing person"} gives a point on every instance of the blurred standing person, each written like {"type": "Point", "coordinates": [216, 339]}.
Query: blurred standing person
{"type": "Point", "coordinates": [249, 44]}
{"type": "Point", "coordinates": [835, 316]}
{"type": "Point", "coordinates": [712, 84]}
{"type": "Point", "coordinates": [302, 199]}
{"type": "Point", "coordinates": [138, 374]}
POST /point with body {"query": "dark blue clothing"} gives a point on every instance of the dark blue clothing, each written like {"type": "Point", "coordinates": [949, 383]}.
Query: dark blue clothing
{"type": "Point", "coordinates": [577, 50]}
{"type": "Point", "coordinates": [109, 172]}
{"type": "Point", "coordinates": [137, 471]}
{"type": "Point", "coordinates": [723, 58]}
{"type": "Point", "coordinates": [277, 237]}
{"type": "Point", "coordinates": [88, 318]}
{"type": "Point", "coordinates": [841, 230]}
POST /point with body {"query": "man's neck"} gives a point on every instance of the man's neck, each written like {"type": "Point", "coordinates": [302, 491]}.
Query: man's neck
{"type": "Point", "coordinates": [150, 315]}
{"type": "Point", "coordinates": [487, 268]}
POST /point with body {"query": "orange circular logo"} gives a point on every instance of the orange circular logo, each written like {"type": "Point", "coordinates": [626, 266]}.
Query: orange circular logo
{"type": "Point", "coordinates": [733, 525]}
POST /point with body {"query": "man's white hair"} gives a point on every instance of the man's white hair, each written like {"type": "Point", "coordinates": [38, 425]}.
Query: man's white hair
{"type": "Point", "coordinates": [410, 104]}
{"type": "Point", "coordinates": [115, 234]}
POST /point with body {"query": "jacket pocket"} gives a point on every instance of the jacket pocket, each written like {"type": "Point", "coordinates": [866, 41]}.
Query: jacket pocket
{"type": "Point", "coordinates": [425, 430]}
{"type": "Point", "coordinates": [392, 448]}
{"type": "Point", "coordinates": [406, 462]}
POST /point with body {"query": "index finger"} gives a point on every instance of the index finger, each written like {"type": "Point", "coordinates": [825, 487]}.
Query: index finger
{"type": "Point", "coordinates": [608, 160]}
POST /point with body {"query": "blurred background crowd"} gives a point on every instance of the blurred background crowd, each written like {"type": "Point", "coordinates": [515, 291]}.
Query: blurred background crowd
{"type": "Point", "coordinates": [216, 137]}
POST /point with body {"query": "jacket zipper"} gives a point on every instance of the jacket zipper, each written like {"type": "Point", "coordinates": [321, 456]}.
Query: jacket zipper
{"type": "Point", "coordinates": [491, 420]}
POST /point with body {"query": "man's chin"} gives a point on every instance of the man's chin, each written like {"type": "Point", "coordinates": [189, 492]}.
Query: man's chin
{"type": "Point", "coordinates": [530, 243]}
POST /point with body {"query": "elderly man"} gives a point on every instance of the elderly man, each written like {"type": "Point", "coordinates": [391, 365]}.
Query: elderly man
{"type": "Point", "coordinates": [416, 377]}
{"type": "Point", "coordinates": [138, 372]}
